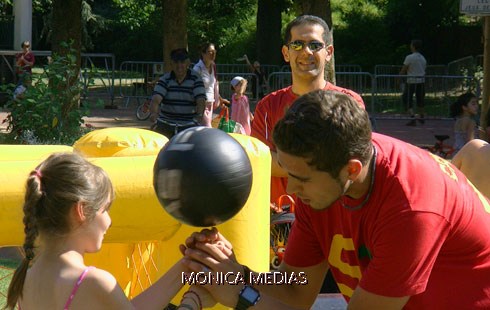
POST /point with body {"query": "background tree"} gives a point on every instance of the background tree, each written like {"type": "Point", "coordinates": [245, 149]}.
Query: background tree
{"type": "Point", "coordinates": [269, 36]}
{"type": "Point", "coordinates": [174, 28]}
{"type": "Point", "coordinates": [67, 28]}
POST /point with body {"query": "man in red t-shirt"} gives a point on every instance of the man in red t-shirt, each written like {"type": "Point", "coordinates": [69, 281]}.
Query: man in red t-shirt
{"type": "Point", "coordinates": [308, 48]}
{"type": "Point", "coordinates": [397, 226]}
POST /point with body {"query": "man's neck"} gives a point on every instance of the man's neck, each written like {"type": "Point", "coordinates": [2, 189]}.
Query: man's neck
{"type": "Point", "coordinates": [303, 88]}
{"type": "Point", "coordinates": [180, 78]}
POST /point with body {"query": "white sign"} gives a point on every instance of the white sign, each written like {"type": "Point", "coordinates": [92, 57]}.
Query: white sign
{"type": "Point", "coordinates": [475, 7]}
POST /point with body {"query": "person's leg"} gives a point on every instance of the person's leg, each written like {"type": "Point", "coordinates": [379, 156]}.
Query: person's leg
{"type": "Point", "coordinates": [165, 130]}
{"type": "Point", "coordinates": [420, 96]}
{"type": "Point", "coordinates": [410, 90]}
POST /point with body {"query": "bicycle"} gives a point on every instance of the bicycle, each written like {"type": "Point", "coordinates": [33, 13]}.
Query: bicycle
{"type": "Point", "coordinates": [143, 111]}
{"type": "Point", "coordinates": [282, 217]}
{"type": "Point", "coordinates": [440, 148]}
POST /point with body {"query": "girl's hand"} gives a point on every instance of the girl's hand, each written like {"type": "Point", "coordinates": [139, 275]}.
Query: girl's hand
{"type": "Point", "coordinates": [207, 299]}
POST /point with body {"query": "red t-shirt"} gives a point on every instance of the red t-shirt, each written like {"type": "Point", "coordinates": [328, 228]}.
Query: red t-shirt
{"type": "Point", "coordinates": [424, 232]}
{"type": "Point", "coordinates": [22, 67]}
{"type": "Point", "coordinates": [269, 111]}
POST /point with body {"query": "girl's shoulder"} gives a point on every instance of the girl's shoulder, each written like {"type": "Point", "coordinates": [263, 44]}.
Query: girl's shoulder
{"type": "Point", "coordinates": [101, 288]}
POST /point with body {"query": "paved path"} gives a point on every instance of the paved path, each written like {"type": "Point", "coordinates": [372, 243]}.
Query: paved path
{"type": "Point", "coordinates": [418, 135]}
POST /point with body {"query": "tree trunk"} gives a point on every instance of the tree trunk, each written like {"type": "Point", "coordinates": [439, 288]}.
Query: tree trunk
{"type": "Point", "coordinates": [174, 28]}
{"type": "Point", "coordinates": [486, 78]}
{"type": "Point", "coordinates": [321, 8]}
{"type": "Point", "coordinates": [66, 27]}
{"type": "Point", "coordinates": [269, 37]}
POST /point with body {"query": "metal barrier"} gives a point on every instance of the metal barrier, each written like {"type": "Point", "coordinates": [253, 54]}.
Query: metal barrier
{"type": "Point", "coordinates": [440, 90]}
{"type": "Point", "coordinates": [461, 66]}
{"type": "Point", "coordinates": [97, 67]}
{"type": "Point", "coordinates": [339, 68]}
{"type": "Point", "coordinates": [395, 69]}
{"type": "Point", "coordinates": [278, 80]}
{"type": "Point", "coordinates": [137, 78]}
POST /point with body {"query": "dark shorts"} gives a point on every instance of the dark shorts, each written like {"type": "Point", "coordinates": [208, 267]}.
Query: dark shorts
{"type": "Point", "coordinates": [170, 129]}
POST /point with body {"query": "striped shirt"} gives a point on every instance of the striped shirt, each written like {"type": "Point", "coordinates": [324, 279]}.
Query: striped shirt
{"type": "Point", "coordinates": [179, 99]}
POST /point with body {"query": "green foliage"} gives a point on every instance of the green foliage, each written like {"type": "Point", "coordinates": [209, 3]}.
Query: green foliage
{"type": "Point", "coordinates": [136, 13]}
{"type": "Point", "coordinates": [225, 23]}
{"type": "Point", "coordinates": [49, 111]}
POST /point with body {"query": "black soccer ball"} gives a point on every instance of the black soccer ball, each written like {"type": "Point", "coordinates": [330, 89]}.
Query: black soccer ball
{"type": "Point", "coordinates": [202, 176]}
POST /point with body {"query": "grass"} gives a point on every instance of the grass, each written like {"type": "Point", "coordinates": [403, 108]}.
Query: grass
{"type": "Point", "coordinates": [7, 267]}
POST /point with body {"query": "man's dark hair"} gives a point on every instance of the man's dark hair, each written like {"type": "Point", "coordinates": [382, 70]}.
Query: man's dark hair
{"type": "Point", "coordinates": [417, 44]}
{"type": "Point", "coordinates": [327, 127]}
{"type": "Point", "coordinates": [308, 20]}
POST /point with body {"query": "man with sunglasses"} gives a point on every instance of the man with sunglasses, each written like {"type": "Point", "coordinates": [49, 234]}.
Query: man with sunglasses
{"type": "Point", "coordinates": [307, 48]}
{"type": "Point", "coordinates": [179, 97]}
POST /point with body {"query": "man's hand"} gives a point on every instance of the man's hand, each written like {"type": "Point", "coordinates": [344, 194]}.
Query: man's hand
{"type": "Point", "coordinates": [212, 236]}
{"type": "Point", "coordinates": [208, 257]}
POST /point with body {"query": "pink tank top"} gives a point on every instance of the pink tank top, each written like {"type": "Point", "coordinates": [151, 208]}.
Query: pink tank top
{"type": "Point", "coordinates": [77, 285]}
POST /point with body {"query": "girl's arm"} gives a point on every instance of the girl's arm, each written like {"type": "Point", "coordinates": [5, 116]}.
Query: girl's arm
{"type": "Point", "coordinates": [161, 292]}
{"type": "Point", "coordinates": [470, 126]}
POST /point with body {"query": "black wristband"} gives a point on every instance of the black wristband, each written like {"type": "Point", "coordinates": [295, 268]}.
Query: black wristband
{"type": "Point", "coordinates": [246, 274]}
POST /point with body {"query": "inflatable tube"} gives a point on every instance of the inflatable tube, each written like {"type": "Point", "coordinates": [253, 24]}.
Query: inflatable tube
{"type": "Point", "coordinates": [30, 152]}
{"type": "Point", "coordinates": [138, 217]}
{"type": "Point", "coordinates": [120, 142]}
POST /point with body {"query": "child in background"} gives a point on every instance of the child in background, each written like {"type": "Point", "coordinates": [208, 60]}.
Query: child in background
{"type": "Point", "coordinates": [66, 205]}
{"type": "Point", "coordinates": [240, 108]}
{"type": "Point", "coordinates": [464, 110]}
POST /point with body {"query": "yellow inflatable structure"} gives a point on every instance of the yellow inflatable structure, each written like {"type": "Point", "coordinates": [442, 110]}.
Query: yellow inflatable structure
{"type": "Point", "coordinates": [142, 243]}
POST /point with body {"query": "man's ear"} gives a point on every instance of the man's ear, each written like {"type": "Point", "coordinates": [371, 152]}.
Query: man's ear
{"type": "Point", "coordinates": [329, 49]}
{"type": "Point", "coordinates": [354, 168]}
{"type": "Point", "coordinates": [285, 53]}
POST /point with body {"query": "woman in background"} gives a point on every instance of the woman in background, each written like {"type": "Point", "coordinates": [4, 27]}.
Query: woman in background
{"type": "Point", "coordinates": [206, 67]}
{"type": "Point", "coordinates": [464, 110]}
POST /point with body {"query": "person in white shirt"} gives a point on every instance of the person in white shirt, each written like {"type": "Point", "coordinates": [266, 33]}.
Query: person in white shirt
{"type": "Point", "coordinates": [206, 67]}
{"type": "Point", "coordinates": [414, 67]}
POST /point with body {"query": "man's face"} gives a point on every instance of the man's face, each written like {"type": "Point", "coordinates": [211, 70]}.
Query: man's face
{"type": "Point", "coordinates": [315, 188]}
{"type": "Point", "coordinates": [307, 64]}
{"type": "Point", "coordinates": [180, 68]}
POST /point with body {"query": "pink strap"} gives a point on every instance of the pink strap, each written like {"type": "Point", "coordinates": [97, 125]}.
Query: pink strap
{"type": "Point", "coordinates": [77, 285]}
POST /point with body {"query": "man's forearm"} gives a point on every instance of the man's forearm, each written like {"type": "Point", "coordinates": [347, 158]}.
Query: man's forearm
{"type": "Point", "coordinates": [200, 108]}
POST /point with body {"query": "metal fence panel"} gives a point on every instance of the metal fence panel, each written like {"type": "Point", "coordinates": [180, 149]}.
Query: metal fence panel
{"type": "Point", "coordinates": [441, 91]}
{"type": "Point", "coordinates": [137, 78]}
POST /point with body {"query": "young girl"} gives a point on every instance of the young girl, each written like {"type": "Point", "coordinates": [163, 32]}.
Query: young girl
{"type": "Point", "coordinates": [240, 108]}
{"type": "Point", "coordinates": [464, 109]}
{"type": "Point", "coordinates": [66, 207]}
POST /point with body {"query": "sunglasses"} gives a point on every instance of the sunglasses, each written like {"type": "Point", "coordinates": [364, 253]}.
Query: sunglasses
{"type": "Point", "coordinates": [298, 45]}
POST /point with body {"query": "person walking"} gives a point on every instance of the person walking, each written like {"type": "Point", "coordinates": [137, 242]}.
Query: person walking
{"type": "Point", "coordinates": [179, 97]}
{"type": "Point", "coordinates": [414, 67]}
{"type": "Point", "coordinates": [206, 68]}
